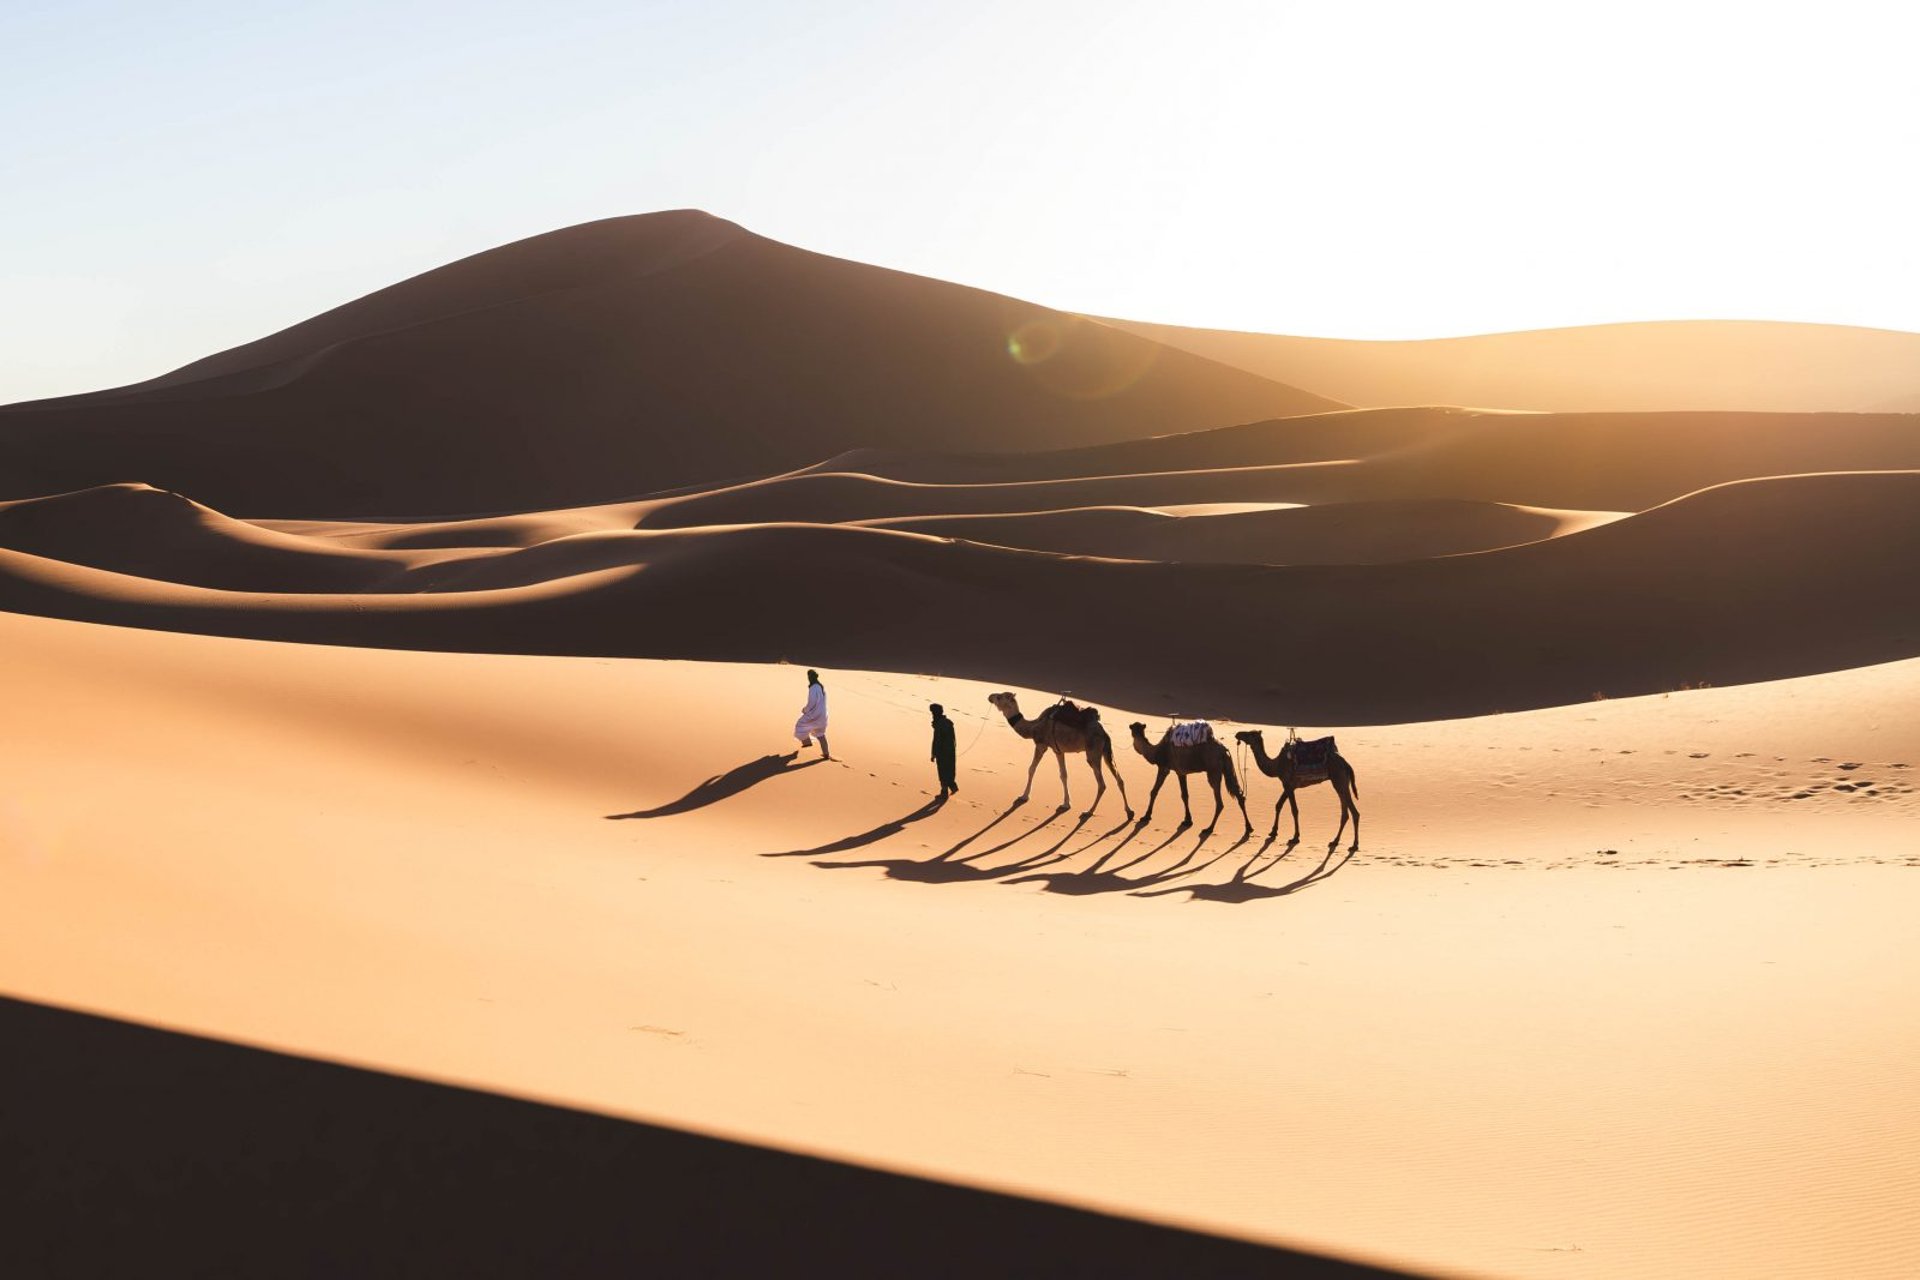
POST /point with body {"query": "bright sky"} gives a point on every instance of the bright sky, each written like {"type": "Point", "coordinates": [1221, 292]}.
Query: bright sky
{"type": "Point", "coordinates": [178, 176]}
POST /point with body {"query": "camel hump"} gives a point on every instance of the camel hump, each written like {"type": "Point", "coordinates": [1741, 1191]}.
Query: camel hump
{"type": "Point", "coordinates": [1070, 715]}
{"type": "Point", "coordinates": [1192, 733]}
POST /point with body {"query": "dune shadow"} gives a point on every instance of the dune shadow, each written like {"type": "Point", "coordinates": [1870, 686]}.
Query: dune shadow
{"type": "Point", "coordinates": [722, 785]}
{"type": "Point", "coordinates": [890, 828]}
{"type": "Point", "coordinates": [1241, 887]}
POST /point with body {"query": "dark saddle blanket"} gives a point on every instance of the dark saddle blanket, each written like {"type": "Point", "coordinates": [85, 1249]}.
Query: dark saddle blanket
{"type": "Point", "coordinates": [1312, 759]}
{"type": "Point", "coordinates": [1072, 716]}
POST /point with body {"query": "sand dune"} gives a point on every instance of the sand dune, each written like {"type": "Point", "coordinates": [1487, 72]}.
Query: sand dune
{"type": "Point", "coordinates": [1333, 533]}
{"type": "Point", "coordinates": [403, 861]}
{"type": "Point", "coordinates": [1615, 985]}
{"type": "Point", "coordinates": [612, 359]}
{"type": "Point", "coordinates": [1683, 364]}
{"type": "Point", "coordinates": [186, 1139]}
{"type": "Point", "coordinates": [1615, 462]}
{"type": "Point", "coordinates": [1749, 581]}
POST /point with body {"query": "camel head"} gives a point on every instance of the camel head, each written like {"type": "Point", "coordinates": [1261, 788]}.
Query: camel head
{"type": "Point", "coordinates": [1005, 704]}
{"type": "Point", "coordinates": [1252, 737]}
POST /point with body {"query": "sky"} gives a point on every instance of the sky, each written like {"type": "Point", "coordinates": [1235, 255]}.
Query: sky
{"type": "Point", "coordinates": [180, 177]}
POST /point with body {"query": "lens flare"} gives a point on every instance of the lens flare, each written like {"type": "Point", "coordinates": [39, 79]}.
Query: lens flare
{"type": "Point", "coordinates": [1079, 359]}
{"type": "Point", "coordinates": [1034, 342]}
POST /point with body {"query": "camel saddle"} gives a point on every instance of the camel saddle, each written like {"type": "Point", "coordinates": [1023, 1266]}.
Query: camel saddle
{"type": "Point", "coordinates": [1192, 733]}
{"type": "Point", "coordinates": [1312, 760]}
{"type": "Point", "coordinates": [1069, 715]}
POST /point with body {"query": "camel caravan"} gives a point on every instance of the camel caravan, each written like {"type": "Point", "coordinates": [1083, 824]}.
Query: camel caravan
{"type": "Point", "coordinates": [1187, 747]}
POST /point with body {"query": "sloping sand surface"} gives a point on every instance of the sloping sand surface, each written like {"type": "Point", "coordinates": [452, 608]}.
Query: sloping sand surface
{"type": "Point", "coordinates": [1619, 989]}
{"type": "Point", "coordinates": [1750, 581]}
{"type": "Point", "coordinates": [1611, 462]}
{"type": "Point", "coordinates": [181, 1143]}
{"type": "Point", "coordinates": [612, 359]}
{"type": "Point", "coordinates": [1679, 364]}
{"type": "Point", "coordinates": [1333, 533]}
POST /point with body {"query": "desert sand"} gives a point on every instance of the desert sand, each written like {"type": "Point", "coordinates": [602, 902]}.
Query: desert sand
{"type": "Point", "coordinates": [412, 690]}
{"type": "Point", "coordinates": [1667, 365]}
{"type": "Point", "coordinates": [1615, 989]}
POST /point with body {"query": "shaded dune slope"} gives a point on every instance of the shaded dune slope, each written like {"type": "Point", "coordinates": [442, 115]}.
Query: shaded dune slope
{"type": "Point", "coordinates": [152, 533]}
{"type": "Point", "coordinates": [612, 359]}
{"type": "Point", "coordinates": [154, 1150]}
{"type": "Point", "coordinates": [1602, 461]}
{"type": "Point", "coordinates": [1681, 364]}
{"type": "Point", "coordinates": [1748, 581]}
{"type": "Point", "coordinates": [1332, 533]}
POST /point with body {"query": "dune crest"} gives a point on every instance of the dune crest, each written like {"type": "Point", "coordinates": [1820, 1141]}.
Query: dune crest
{"type": "Point", "coordinates": [1661, 365]}
{"type": "Point", "coordinates": [613, 359]}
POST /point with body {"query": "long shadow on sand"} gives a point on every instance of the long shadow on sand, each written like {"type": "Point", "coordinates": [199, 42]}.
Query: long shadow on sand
{"type": "Point", "coordinates": [1100, 878]}
{"type": "Point", "coordinates": [949, 868]}
{"type": "Point", "coordinates": [722, 785]}
{"type": "Point", "coordinates": [1242, 889]}
{"type": "Point", "coordinates": [881, 832]}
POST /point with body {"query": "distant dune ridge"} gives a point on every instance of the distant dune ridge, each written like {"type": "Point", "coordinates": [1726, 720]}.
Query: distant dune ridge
{"type": "Point", "coordinates": [609, 360]}
{"type": "Point", "coordinates": [1672, 364]}
{"type": "Point", "coordinates": [704, 444]}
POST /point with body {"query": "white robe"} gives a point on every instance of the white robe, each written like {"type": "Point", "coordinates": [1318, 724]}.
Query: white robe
{"type": "Point", "coordinates": [813, 721]}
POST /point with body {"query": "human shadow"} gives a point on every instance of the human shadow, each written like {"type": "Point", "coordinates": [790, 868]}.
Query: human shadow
{"type": "Point", "coordinates": [1242, 889]}
{"type": "Point", "coordinates": [723, 785]}
{"type": "Point", "coordinates": [947, 868]}
{"type": "Point", "coordinates": [1095, 879]}
{"type": "Point", "coordinates": [881, 832]}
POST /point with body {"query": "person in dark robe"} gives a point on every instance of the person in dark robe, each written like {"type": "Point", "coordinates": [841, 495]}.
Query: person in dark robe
{"type": "Point", "coordinates": [943, 754]}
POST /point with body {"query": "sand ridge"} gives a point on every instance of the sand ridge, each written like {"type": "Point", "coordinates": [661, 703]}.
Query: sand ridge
{"type": "Point", "coordinates": [616, 358]}
{"type": "Point", "coordinates": [1746, 581]}
{"type": "Point", "coordinates": [1663, 365]}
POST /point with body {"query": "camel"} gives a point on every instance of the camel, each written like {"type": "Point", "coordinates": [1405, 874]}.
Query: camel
{"type": "Point", "coordinates": [1062, 728]}
{"type": "Point", "coordinates": [1209, 757]}
{"type": "Point", "coordinates": [1292, 778]}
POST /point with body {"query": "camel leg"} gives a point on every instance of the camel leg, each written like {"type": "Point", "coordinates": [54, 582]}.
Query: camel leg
{"type": "Point", "coordinates": [1219, 805]}
{"type": "Point", "coordinates": [1039, 749]}
{"type": "Point", "coordinates": [1278, 805]}
{"type": "Point", "coordinates": [1099, 782]}
{"type": "Point", "coordinates": [1293, 803]}
{"type": "Point", "coordinates": [1159, 780]}
{"type": "Point", "coordinates": [1239, 797]}
{"type": "Point", "coordinates": [1347, 802]}
{"type": "Point", "coordinates": [1118, 781]}
{"type": "Point", "coordinates": [1186, 808]}
{"type": "Point", "coordinates": [1066, 792]}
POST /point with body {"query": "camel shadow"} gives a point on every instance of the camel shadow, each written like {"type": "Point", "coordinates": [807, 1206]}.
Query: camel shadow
{"type": "Point", "coordinates": [1095, 880]}
{"type": "Point", "coordinates": [722, 785]}
{"type": "Point", "coordinates": [1242, 889]}
{"type": "Point", "coordinates": [870, 836]}
{"type": "Point", "coordinates": [945, 868]}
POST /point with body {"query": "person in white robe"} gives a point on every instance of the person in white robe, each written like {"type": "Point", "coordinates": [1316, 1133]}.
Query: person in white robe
{"type": "Point", "coordinates": [813, 720]}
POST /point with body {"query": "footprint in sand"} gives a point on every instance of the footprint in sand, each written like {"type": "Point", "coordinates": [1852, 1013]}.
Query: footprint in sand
{"type": "Point", "coordinates": [1698, 755]}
